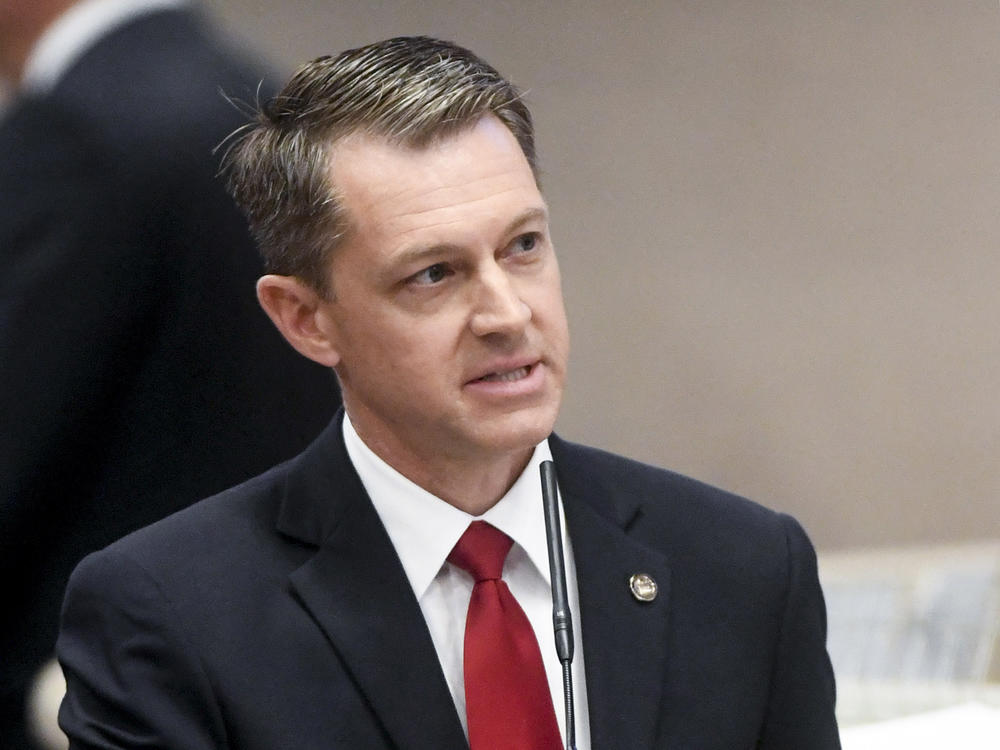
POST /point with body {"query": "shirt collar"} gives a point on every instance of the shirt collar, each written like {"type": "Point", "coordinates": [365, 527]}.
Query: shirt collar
{"type": "Point", "coordinates": [74, 32]}
{"type": "Point", "coordinates": [424, 529]}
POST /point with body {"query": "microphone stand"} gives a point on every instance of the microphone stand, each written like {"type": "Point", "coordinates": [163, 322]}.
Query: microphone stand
{"type": "Point", "coordinates": [562, 618]}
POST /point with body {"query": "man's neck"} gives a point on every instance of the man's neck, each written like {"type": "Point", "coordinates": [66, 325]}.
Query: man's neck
{"type": "Point", "coordinates": [22, 32]}
{"type": "Point", "coordinates": [473, 483]}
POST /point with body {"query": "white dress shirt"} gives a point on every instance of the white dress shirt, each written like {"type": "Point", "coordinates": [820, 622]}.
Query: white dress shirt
{"type": "Point", "coordinates": [424, 529]}
{"type": "Point", "coordinates": [74, 32]}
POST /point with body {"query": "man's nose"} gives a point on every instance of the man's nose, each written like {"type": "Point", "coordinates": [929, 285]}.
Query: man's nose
{"type": "Point", "coordinates": [498, 306]}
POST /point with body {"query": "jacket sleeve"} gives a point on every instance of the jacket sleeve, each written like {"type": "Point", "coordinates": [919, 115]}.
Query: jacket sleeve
{"type": "Point", "coordinates": [802, 698]}
{"type": "Point", "coordinates": [133, 679]}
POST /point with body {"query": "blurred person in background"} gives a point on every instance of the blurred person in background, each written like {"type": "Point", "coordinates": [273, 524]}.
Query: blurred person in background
{"type": "Point", "coordinates": [137, 373]}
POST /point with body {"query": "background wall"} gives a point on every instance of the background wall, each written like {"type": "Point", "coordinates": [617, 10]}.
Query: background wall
{"type": "Point", "coordinates": [779, 227]}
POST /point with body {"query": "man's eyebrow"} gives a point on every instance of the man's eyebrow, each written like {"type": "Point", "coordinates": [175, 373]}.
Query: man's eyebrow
{"type": "Point", "coordinates": [416, 253]}
{"type": "Point", "coordinates": [539, 213]}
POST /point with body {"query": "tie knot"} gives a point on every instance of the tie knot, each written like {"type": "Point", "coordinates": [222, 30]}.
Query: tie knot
{"type": "Point", "coordinates": [481, 551]}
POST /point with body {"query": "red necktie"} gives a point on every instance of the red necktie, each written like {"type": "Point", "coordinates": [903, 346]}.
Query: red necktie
{"type": "Point", "coordinates": [507, 699]}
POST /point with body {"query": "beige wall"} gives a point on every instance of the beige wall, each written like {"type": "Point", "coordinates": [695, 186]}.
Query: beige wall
{"type": "Point", "coordinates": [779, 230]}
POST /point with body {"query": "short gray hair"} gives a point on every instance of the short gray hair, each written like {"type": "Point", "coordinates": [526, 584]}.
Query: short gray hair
{"type": "Point", "coordinates": [410, 91]}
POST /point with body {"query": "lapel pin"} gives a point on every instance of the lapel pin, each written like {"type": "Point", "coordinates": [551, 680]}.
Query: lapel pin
{"type": "Point", "coordinates": [643, 587]}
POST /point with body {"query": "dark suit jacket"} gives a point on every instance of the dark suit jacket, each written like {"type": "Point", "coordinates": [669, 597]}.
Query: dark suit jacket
{"type": "Point", "coordinates": [137, 374]}
{"type": "Point", "coordinates": [278, 615]}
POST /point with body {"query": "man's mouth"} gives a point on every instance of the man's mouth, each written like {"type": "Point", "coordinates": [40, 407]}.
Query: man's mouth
{"type": "Point", "coordinates": [505, 377]}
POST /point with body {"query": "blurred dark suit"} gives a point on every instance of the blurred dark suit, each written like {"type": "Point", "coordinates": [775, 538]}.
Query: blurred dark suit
{"type": "Point", "coordinates": [137, 373]}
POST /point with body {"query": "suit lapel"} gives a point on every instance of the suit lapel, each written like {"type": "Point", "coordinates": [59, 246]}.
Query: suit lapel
{"type": "Point", "coordinates": [624, 640]}
{"type": "Point", "coordinates": [357, 592]}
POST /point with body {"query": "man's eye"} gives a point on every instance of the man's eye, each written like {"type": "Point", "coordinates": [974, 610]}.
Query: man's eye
{"type": "Point", "coordinates": [526, 243]}
{"type": "Point", "coordinates": [431, 275]}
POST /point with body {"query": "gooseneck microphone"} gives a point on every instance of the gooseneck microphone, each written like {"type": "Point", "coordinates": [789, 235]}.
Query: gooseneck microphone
{"type": "Point", "coordinates": [562, 618]}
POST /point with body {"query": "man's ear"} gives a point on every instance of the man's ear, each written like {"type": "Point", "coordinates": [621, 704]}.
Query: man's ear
{"type": "Point", "coordinates": [297, 311]}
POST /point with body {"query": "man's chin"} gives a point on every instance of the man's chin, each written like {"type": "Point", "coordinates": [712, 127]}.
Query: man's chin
{"type": "Point", "coordinates": [517, 432]}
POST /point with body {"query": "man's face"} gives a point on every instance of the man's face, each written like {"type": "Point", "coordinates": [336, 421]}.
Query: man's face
{"type": "Point", "coordinates": [447, 311]}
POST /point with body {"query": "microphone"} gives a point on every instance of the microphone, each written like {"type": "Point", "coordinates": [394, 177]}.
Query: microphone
{"type": "Point", "coordinates": [562, 618]}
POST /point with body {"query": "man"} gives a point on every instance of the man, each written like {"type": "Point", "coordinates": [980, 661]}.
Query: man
{"type": "Point", "coordinates": [336, 600]}
{"type": "Point", "coordinates": [137, 374]}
